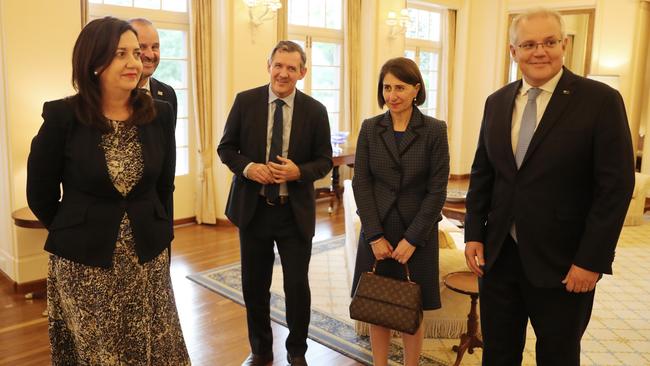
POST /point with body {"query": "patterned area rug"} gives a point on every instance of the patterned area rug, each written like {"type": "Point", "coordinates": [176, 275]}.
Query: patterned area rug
{"type": "Point", "coordinates": [330, 324]}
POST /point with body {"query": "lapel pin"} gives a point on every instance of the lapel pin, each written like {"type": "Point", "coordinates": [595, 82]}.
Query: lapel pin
{"type": "Point", "coordinates": [161, 93]}
{"type": "Point", "coordinates": [566, 92]}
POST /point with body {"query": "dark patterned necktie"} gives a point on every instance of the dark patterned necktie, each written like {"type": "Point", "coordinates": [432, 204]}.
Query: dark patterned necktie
{"type": "Point", "coordinates": [273, 190]}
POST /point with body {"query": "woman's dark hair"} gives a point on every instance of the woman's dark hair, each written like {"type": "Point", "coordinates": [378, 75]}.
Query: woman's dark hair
{"type": "Point", "coordinates": [407, 71]}
{"type": "Point", "coordinates": [93, 52]}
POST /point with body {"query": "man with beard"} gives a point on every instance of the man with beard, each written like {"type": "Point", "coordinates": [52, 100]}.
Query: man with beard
{"type": "Point", "coordinates": [150, 48]}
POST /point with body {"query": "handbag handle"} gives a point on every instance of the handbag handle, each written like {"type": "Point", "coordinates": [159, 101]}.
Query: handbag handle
{"type": "Point", "coordinates": [406, 269]}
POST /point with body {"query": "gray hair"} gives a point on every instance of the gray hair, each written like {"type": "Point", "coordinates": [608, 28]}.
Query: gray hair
{"type": "Point", "coordinates": [534, 13]}
{"type": "Point", "coordinates": [142, 21]}
{"type": "Point", "coordinates": [289, 46]}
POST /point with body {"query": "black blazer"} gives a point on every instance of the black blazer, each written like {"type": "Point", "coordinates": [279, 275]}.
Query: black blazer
{"type": "Point", "coordinates": [571, 194]}
{"type": "Point", "coordinates": [244, 141]}
{"type": "Point", "coordinates": [411, 177]}
{"type": "Point", "coordinates": [83, 226]}
{"type": "Point", "coordinates": [162, 91]}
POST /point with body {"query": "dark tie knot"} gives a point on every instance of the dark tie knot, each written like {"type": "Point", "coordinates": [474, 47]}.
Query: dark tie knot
{"type": "Point", "coordinates": [279, 103]}
{"type": "Point", "coordinates": [533, 93]}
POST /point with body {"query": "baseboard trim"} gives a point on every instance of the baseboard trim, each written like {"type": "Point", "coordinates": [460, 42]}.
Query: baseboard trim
{"type": "Point", "coordinates": [185, 221]}
{"type": "Point", "coordinates": [458, 176]}
{"type": "Point", "coordinates": [37, 286]}
{"type": "Point", "coordinates": [224, 222]}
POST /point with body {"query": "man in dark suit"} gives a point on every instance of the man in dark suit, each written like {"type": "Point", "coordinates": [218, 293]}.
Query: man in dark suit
{"type": "Point", "coordinates": [550, 185]}
{"type": "Point", "coordinates": [150, 48]}
{"type": "Point", "coordinates": [277, 143]}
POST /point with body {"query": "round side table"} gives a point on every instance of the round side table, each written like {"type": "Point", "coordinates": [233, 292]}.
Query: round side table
{"type": "Point", "coordinates": [466, 283]}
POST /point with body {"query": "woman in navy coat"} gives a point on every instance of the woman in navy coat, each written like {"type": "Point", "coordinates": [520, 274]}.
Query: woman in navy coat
{"type": "Point", "coordinates": [400, 183]}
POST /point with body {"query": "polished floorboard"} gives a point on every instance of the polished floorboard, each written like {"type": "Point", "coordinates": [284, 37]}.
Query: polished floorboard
{"type": "Point", "coordinates": [214, 327]}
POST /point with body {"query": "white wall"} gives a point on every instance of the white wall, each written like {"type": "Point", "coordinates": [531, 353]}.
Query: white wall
{"type": "Point", "coordinates": [38, 37]}
{"type": "Point", "coordinates": [6, 237]}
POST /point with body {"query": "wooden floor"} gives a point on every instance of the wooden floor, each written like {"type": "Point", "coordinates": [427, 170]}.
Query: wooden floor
{"type": "Point", "coordinates": [214, 327]}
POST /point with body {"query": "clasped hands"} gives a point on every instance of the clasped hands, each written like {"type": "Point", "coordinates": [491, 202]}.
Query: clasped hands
{"type": "Point", "coordinates": [577, 279]}
{"type": "Point", "coordinates": [382, 249]}
{"type": "Point", "coordinates": [274, 173]}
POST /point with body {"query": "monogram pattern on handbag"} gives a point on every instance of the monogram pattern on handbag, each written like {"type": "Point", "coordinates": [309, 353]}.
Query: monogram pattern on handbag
{"type": "Point", "coordinates": [387, 302]}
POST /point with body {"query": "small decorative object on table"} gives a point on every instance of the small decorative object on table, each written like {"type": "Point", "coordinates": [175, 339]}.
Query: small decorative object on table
{"type": "Point", "coordinates": [338, 138]}
{"type": "Point", "coordinates": [456, 195]}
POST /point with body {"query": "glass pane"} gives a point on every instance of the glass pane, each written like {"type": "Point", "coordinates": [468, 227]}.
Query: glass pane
{"type": "Point", "coordinates": [172, 72]}
{"type": "Point", "coordinates": [434, 24]}
{"type": "Point", "coordinates": [147, 4]}
{"type": "Point", "coordinates": [175, 5]}
{"type": "Point", "coordinates": [334, 121]}
{"type": "Point", "coordinates": [119, 2]}
{"type": "Point", "coordinates": [298, 10]}
{"type": "Point", "coordinates": [428, 61]}
{"type": "Point", "coordinates": [181, 96]}
{"type": "Point", "coordinates": [409, 54]}
{"type": "Point", "coordinates": [423, 24]}
{"type": "Point", "coordinates": [432, 98]}
{"type": "Point", "coordinates": [330, 98]}
{"type": "Point", "coordinates": [172, 43]}
{"type": "Point", "coordinates": [317, 13]}
{"type": "Point", "coordinates": [300, 85]}
{"type": "Point", "coordinates": [410, 30]}
{"type": "Point", "coordinates": [325, 77]}
{"type": "Point", "coordinates": [182, 161]}
{"type": "Point", "coordinates": [325, 54]}
{"type": "Point", "coordinates": [181, 133]}
{"type": "Point", "coordinates": [430, 79]}
{"type": "Point", "coordinates": [333, 14]}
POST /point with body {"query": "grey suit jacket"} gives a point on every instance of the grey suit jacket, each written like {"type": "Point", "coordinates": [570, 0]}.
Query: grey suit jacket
{"type": "Point", "coordinates": [411, 177]}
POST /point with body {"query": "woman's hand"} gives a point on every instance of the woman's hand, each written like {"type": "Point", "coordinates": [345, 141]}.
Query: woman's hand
{"type": "Point", "coordinates": [404, 251]}
{"type": "Point", "coordinates": [381, 248]}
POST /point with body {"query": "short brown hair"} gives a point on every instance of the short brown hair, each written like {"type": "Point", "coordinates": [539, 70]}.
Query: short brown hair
{"type": "Point", "coordinates": [405, 70]}
{"type": "Point", "coordinates": [289, 46]}
{"type": "Point", "coordinates": [93, 52]}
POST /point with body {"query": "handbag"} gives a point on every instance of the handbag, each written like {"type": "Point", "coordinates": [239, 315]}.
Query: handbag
{"type": "Point", "coordinates": [388, 302]}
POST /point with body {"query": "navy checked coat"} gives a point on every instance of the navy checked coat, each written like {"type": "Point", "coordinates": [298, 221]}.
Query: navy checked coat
{"type": "Point", "coordinates": [410, 178]}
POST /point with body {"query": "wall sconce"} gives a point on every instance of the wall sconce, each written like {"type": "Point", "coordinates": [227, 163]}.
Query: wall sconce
{"type": "Point", "coordinates": [612, 80]}
{"type": "Point", "coordinates": [260, 11]}
{"type": "Point", "coordinates": [398, 24]}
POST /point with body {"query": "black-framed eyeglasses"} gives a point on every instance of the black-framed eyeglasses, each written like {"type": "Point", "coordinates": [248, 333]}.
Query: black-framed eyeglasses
{"type": "Point", "coordinates": [547, 45]}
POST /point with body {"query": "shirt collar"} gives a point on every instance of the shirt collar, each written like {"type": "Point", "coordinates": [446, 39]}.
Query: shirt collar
{"type": "Point", "coordinates": [549, 86]}
{"type": "Point", "coordinates": [147, 85]}
{"type": "Point", "coordinates": [288, 100]}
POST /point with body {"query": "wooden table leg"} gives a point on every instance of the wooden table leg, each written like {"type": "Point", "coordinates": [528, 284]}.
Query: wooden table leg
{"type": "Point", "coordinates": [469, 340]}
{"type": "Point", "coordinates": [335, 190]}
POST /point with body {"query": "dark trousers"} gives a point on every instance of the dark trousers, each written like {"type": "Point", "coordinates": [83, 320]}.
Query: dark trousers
{"type": "Point", "coordinates": [508, 300]}
{"type": "Point", "coordinates": [275, 224]}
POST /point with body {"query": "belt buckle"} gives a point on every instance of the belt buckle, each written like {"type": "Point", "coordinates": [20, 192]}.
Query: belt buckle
{"type": "Point", "coordinates": [269, 202]}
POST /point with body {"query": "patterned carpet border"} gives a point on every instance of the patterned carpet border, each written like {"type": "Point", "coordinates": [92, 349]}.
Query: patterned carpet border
{"type": "Point", "coordinates": [324, 328]}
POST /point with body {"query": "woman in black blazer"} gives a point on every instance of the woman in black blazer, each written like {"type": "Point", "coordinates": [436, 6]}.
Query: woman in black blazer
{"type": "Point", "coordinates": [400, 185]}
{"type": "Point", "coordinates": [112, 149]}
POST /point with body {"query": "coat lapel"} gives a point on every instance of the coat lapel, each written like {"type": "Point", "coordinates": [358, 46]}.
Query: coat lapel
{"type": "Point", "coordinates": [298, 119]}
{"type": "Point", "coordinates": [504, 124]}
{"type": "Point", "coordinates": [261, 120]}
{"type": "Point", "coordinates": [388, 137]}
{"type": "Point", "coordinates": [411, 134]}
{"type": "Point", "coordinates": [556, 106]}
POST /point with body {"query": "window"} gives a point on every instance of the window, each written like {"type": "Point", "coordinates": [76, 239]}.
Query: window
{"type": "Point", "coordinates": [317, 26]}
{"type": "Point", "coordinates": [424, 46]}
{"type": "Point", "coordinates": [172, 21]}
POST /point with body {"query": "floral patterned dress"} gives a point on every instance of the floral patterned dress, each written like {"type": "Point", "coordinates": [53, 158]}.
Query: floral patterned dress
{"type": "Point", "coordinates": [124, 315]}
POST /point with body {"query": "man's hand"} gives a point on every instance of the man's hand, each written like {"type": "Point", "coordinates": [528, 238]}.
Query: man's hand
{"type": "Point", "coordinates": [580, 280]}
{"type": "Point", "coordinates": [260, 173]}
{"type": "Point", "coordinates": [403, 251]}
{"type": "Point", "coordinates": [285, 171]}
{"type": "Point", "coordinates": [474, 257]}
{"type": "Point", "coordinates": [381, 248]}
